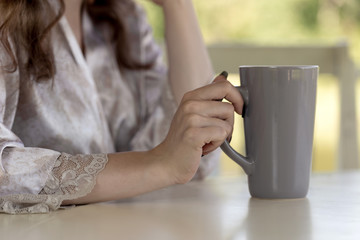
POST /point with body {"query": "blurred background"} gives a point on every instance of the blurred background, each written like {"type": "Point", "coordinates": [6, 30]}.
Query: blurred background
{"type": "Point", "coordinates": [291, 23]}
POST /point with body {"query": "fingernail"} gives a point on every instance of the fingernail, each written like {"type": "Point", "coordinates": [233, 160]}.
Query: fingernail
{"type": "Point", "coordinates": [224, 74]}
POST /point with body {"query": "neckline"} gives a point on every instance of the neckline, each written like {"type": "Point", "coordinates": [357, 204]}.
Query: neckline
{"type": "Point", "coordinates": [75, 49]}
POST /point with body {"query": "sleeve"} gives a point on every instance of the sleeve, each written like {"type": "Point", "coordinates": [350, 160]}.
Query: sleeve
{"type": "Point", "coordinates": [37, 180]}
{"type": "Point", "coordinates": [158, 104]}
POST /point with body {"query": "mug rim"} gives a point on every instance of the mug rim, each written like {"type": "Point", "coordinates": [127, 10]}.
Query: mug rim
{"type": "Point", "coordinates": [281, 66]}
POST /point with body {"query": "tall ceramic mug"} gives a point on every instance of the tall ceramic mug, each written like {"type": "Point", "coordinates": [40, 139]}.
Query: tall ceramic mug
{"type": "Point", "coordinates": [279, 114]}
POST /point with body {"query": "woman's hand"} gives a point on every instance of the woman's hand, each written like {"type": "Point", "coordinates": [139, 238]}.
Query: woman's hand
{"type": "Point", "coordinates": [200, 125]}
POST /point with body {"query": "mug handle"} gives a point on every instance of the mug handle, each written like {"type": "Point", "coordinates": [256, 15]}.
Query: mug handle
{"type": "Point", "coordinates": [246, 163]}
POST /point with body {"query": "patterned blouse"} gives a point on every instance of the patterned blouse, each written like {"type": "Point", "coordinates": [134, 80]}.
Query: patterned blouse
{"type": "Point", "coordinates": [55, 135]}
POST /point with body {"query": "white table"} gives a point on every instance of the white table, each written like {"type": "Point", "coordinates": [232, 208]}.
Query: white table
{"type": "Point", "coordinates": [218, 208]}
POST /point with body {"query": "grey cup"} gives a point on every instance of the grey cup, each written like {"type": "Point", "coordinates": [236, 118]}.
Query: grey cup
{"type": "Point", "coordinates": [279, 115]}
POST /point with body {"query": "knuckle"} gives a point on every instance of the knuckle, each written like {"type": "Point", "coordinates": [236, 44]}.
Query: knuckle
{"type": "Point", "coordinates": [223, 133]}
{"type": "Point", "coordinates": [227, 86]}
{"type": "Point", "coordinates": [230, 108]}
{"type": "Point", "coordinates": [187, 96]}
{"type": "Point", "coordinates": [192, 119]}
{"type": "Point", "coordinates": [190, 134]}
{"type": "Point", "coordinates": [190, 106]}
{"type": "Point", "coordinates": [229, 129]}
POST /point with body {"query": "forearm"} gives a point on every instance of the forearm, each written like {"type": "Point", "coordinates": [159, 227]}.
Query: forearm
{"type": "Point", "coordinates": [189, 63]}
{"type": "Point", "coordinates": [126, 175]}
{"type": "Point", "coordinates": [200, 125]}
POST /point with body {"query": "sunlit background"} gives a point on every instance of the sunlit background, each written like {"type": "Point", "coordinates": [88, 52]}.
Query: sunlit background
{"type": "Point", "coordinates": [278, 23]}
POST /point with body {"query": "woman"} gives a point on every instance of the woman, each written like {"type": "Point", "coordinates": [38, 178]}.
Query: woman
{"type": "Point", "coordinates": [87, 109]}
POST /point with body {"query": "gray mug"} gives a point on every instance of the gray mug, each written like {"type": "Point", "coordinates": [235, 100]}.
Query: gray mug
{"type": "Point", "coordinates": [279, 115]}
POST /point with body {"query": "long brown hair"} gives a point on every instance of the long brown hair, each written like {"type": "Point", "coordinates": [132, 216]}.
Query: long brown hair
{"type": "Point", "coordinates": [28, 23]}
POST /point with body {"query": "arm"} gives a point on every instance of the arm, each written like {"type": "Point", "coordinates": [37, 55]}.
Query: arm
{"type": "Point", "coordinates": [189, 63]}
{"type": "Point", "coordinates": [199, 126]}
{"type": "Point", "coordinates": [126, 175]}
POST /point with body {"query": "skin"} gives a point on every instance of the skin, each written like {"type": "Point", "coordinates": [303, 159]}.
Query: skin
{"type": "Point", "coordinates": [199, 126]}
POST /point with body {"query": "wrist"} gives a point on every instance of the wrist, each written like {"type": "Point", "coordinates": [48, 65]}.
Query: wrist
{"type": "Point", "coordinates": [162, 164]}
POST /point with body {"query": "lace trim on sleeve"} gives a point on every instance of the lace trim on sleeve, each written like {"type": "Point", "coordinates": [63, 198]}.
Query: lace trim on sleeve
{"type": "Point", "coordinates": [72, 177]}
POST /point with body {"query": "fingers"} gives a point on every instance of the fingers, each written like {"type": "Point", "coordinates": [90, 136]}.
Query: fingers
{"type": "Point", "coordinates": [222, 110]}
{"type": "Point", "coordinates": [195, 125]}
{"type": "Point", "coordinates": [210, 109]}
{"type": "Point", "coordinates": [206, 123]}
{"type": "Point", "coordinates": [221, 77]}
{"type": "Point", "coordinates": [212, 136]}
{"type": "Point", "coordinates": [198, 121]}
{"type": "Point", "coordinates": [219, 89]}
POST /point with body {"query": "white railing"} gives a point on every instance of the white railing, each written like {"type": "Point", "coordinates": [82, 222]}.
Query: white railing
{"type": "Point", "coordinates": [332, 59]}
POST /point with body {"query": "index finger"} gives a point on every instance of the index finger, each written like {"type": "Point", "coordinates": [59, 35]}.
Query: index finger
{"type": "Point", "coordinates": [219, 89]}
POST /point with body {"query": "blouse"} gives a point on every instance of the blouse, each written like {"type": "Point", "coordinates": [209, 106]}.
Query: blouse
{"type": "Point", "coordinates": [55, 135]}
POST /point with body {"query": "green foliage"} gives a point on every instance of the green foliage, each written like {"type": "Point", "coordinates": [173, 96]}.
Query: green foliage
{"type": "Point", "coordinates": [156, 18]}
{"type": "Point", "coordinates": [350, 11]}
{"type": "Point", "coordinates": [308, 13]}
{"type": "Point", "coordinates": [274, 21]}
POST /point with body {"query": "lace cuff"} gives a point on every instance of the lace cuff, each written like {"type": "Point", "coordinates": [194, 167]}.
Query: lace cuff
{"type": "Point", "coordinates": [72, 177]}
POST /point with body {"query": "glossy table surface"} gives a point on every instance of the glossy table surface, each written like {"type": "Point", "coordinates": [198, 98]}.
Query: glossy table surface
{"type": "Point", "coordinates": [218, 208]}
